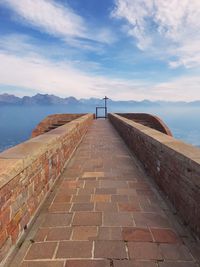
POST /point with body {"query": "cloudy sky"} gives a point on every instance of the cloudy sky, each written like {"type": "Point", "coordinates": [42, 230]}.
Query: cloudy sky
{"type": "Point", "coordinates": [126, 49]}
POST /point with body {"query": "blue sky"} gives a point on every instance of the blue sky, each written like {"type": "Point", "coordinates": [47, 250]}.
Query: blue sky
{"type": "Point", "coordinates": [126, 49]}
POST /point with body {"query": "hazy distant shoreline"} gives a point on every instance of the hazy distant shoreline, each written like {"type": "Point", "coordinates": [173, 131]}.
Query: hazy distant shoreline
{"type": "Point", "coordinates": [46, 99]}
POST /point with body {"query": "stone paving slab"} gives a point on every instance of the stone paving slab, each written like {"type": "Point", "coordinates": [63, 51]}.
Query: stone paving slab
{"type": "Point", "coordinates": [105, 213]}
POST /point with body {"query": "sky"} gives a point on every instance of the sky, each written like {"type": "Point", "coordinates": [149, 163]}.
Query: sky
{"type": "Point", "coordinates": [125, 49]}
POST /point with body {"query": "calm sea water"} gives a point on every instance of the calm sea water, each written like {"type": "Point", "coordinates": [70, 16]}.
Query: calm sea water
{"type": "Point", "coordinates": [17, 122]}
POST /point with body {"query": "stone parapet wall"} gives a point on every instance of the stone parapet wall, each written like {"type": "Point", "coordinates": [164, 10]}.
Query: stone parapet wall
{"type": "Point", "coordinates": [50, 120]}
{"type": "Point", "coordinates": [148, 120]}
{"type": "Point", "coordinates": [174, 165]}
{"type": "Point", "coordinates": [27, 173]}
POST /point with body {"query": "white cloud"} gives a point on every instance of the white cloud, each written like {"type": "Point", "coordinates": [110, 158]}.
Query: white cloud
{"type": "Point", "coordinates": [17, 43]}
{"type": "Point", "coordinates": [24, 66]}
{"type": "Point", "coordinates": [50, 16]}
{"type": "Point", "coordinates": [170, 29]}
{"type": "Point", "coordinates": [59, 78]}
{"type": "Point", "coordinates": [63, 79]}
{"type": "Point", "coordinates": [59, 21]}
{"type": "Point", "coordinates": [183, 88]}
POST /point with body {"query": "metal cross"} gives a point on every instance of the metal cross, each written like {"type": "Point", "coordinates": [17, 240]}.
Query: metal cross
{"type": "Point", "coordinates": [105, 99]}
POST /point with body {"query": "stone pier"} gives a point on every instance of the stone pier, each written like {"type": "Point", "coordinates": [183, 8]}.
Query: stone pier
{"type": "Point", "coordinates": [104, 211]}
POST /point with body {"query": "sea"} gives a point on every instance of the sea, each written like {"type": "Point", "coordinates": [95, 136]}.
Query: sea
{"type": "Point", "coordinates": [17, 122]}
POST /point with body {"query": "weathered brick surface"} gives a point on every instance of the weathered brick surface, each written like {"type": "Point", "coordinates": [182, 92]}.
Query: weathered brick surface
{"type": "Point", "coordinates": [74, 249]}
{"type": "Point", "coordinates": [149, 120]}
{"type": "Point", "coordinates": [110, 249]}
{"type": "Point", "coordinates": [106, 221]}
{"type": "Point", "coordinates": [133, 263]}
{"type": "Point", "coordinates": [50, 120]}
{"type": "Point", "coordinates": [84, 232]}
{"type": "Point", "coordinates": [175, 166]}
{"type": "Point", "coordinates": [87, 218]}
{"type": "Point", "coordinates": [27, 173]}
{"type": "Point", "coordinates": [137, 234]}
{"type": "Point", "coordinates": [165, 236]}
{"type": "Point", "coordinates": [41, 251]}
{"type": "Point", "coordinates": [177, 264]}
{"type": "Point", "coordinates": [144, 251]}
{"type": "Point", "coordinates": [52, 263]}
{"type": "Point", "coordinates": [117, 219]}
{"type": "Point", "coordinates": [87, 263]}
{"type": "Point", "coordinates": [110, 233]}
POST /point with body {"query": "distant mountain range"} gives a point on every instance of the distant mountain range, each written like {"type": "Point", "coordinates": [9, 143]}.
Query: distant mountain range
{"type": "Point", "coordinates": [46, 99]}
{"type": "Point", "coordinates": [38, 99]}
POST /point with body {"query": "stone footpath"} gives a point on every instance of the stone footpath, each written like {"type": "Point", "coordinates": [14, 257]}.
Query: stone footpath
{"type": "Point", "coordinates": [104, 213]}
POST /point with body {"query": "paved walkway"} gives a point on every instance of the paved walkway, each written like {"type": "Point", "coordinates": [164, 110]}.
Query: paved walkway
{"type": "Point", "coordinates": [104, 213]}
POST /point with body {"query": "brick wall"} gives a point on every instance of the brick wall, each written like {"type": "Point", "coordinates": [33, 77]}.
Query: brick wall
{"type": "Point", "coordinates": [149, 120]}
{"type": "Point", "coordinates": [27, 173]}
{"type": "Point", "coordinates": [174, 165]}
{"type": "Point", "coordinates": [44, 125]}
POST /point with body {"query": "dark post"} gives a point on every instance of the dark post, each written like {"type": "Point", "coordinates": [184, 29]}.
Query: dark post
{"type": "Point", "coordinates": [105, 99]}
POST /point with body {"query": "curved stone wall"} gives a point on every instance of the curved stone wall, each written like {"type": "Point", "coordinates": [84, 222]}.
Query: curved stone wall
{"type": "Point", "coordinates": [27, 173]}
{"type": "Point", "coordinates": [148, 120]}
{"type": "Point", "coordinates": [174, 165]}
{"type": "Point", "coordinates": [53, 121]}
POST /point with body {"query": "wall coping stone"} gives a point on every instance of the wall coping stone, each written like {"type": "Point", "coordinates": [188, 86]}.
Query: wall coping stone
{"type": "Point", "coordinates": [186, 150]}
{"type": "Point", "coordinates": [17, 158]}
{"type": "Point", "coordinates": [152, 121]}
